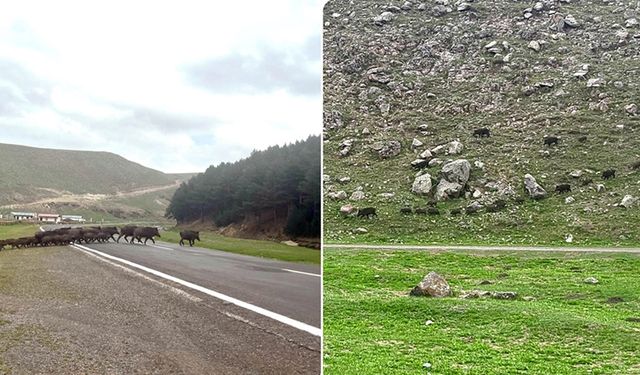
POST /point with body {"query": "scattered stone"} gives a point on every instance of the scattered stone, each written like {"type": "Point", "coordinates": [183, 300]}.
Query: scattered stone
{"type": "Point", "coordinates": [416, 143]}
{"type": "Point", "coordinates": [428, 322]}
{"type": "Point", "coordinates": [474, 207]}
{"type": "Point", "coordinates": [474, 294]}
{"type": "Point", "coordinates": [438, 150]}
{"type": "Point", "coordinates": [384, 17]}
{"type": "Point", "coordinates": [528, 298]}
{"type": "Point", "coordinates": [591, 280]}
{"type": "Point", "coordinates": [596, 82]}
{"type": "Point", "coordinates": [344, 180]}
{"type": "Point", "coordinates": [435, 161]}
{"type": "Point", "coordinates": [569, 200]}
{"type": "Point", "coordinates": [615, 300]}
{"type": "Point", "coordinates": [478, 164]}
{"type": "Point", "coordinates": [628, 201]}
{"type": "Point", "coordinates": [631, 109]}
{"type": "Point", "coordinates": [387, 195]}
{"type": "Point", "coordinates": [485, 282]}
{"type": "Point", "coordinates": [568, 238]}
{"type": "Point", "coordinates": [422, 184]}
{"type": "Point", "coordinates": [345, 147]}
{"type": "Point", "coordinates": [387, 149]}
{"type": "Point", "coordinates": [534, 45]}
{"type": "Point", "coordinates": [419, 163]}
{"type": "Point", "coordinates": [576, 174]}
{"type": "Point", "coordinates": [457, 171]}
{"type": "Point", "coordinates": [426, 154]}
{"type": "Point", "coordinates": [357, 195]}
{"type": "Point", "coordinates": [455, 147]}
{"type": "Point", "coordinates": [360, 230]}
{"type": "Point", "coordinates": [432, 285]}
{"type": "Point", "coordinates": [600, 188]}
{"type": "Point", "coordinates": [340, 195]}
{"type": "Point", "coordinates": [366, 131]}
{"type": "Point", "coordinates": [476, 194]}
{"type": "Point", "coordinates": [447, 189]}
{"type": "Point", "coordinates": [534, 190]}
{"type": "Point", "coordinates": [504, 295]}
{"type": "Point", "coordinates": [347, 210]}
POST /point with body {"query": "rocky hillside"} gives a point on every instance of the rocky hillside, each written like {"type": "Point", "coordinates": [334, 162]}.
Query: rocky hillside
{"type": "Point", "coordinates": [458, 121]}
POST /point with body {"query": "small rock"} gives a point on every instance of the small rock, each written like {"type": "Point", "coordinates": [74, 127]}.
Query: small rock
{"type": "Point", "coordinates": [447, 189]}
{"type": "Point", "coordinates": [426, 154]}
{"type": "Point", "coordinates": [504, 295]}
{"type": "Point", "coordinates": [357, 195]}
{"type": "Point", "coordinates": [416, 143]}
{"type": "Point", "coordinates": [576, 174]}
{"type": "Point", "coordinates": [568, 238]}
{"type": "Point", "coordinates": [631, 109]}
{"type": "Point", "coordinates": [432, 285]}
{"type": "Point", "coordinates": [628, 201]}
{"type": "Point", "coordinates": [422, 184]}
{"type": "Point", "coordinates": [600, 188]}
{"type": "Point", "coordinates": [596, 82]}
{"type": "Point", "coordinates": [387, 195]}
{"type": "Point", "coordinates": [344, 180]}
{"type": "Point", "coordinates": [340, 195]}
{"type": "Point", "coordinates": [428, 322]}
{"type": "Point", "coordinates": [569, 200]}
{"type": "Point", "coordinates": [455, 147]}
{"type": "Point", "coordinates": [360, 230]}
{"type": "Point", "coordinates": [476, 194]}
{"type": "Point", "coordinates": [366, 131]}
{"type": "Point", "coordinates": [534, 45]}
{"type": "Point", "coordinates": [387, 149]}
{"type": "Point", "coordinates": [347, 210]}
{"type": "Point", "coordinates": [591, 280]}
{"type": "Point", "coordinates": [534, 190]}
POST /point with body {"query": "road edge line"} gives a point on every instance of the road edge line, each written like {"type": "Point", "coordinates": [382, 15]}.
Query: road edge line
{"type": "Point", "coordinates": [256, 309]}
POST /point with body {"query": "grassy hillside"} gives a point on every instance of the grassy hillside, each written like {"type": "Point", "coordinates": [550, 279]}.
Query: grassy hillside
{"type": "Point", "coordinates": [29, 173]}
{"type": "Point", "coordinates": [434, 74]}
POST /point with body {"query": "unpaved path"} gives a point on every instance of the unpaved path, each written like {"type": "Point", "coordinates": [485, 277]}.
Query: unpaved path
{"type": "Point", "coordinates": [485, 248]}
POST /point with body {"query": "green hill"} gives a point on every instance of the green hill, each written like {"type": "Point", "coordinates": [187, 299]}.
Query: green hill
{"type": "Point", "coordinates": [437, 71]}
{"type": "Point", "coordinates": [30, 173]}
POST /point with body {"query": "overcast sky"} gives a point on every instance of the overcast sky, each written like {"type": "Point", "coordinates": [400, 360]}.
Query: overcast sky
{"type": "Point", "coordinates": [174, 87]}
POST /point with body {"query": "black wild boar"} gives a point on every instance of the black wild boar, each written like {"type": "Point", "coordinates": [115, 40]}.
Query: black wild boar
{"type": "Point", "coordinates": [482, 132]}
{"type": "Point", "coordinates": [433, 211]}
{"type": "Point", "coordinates": [367, 212]}
{"type": "Point", "coordinates": [548, 141]}
{"type": "Point", "coordinates": [190, 236]}
{"type": "Point", "coordinates": [455, 211]}
{"type": "Point", "coordinates": [145, 232]}
{"type": "Point", "coordinates": [609, 173]}
{"type": "Point", "coordinates": [563, 188]}
{"type": "Point", "coordinates": [126, 231]}
{"type": "Point", "coordinates": [421, 211]}
{"type": "Point", "coordinates": [405, 210]}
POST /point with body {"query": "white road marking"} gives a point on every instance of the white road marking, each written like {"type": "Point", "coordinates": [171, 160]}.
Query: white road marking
{"type": "Point", "coordinates": [177, 291]}
{"type": "Point", "coordinates": [303, 273]}
{"type": "Point", "coordinates": [161, 247]}
{"type": "Point", "coordinates": [257, 309]}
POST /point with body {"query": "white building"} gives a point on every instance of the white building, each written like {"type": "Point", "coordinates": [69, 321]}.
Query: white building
{"type": "Point", "coordinates": [73, 218]}
{"type": "Point", "coordinates": [19, 216]}
{"type": "Point", "coordinates": [49, 218]}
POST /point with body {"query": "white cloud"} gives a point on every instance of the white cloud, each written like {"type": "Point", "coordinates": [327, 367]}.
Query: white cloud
{"type": "Point", "coordinates": [114, 76]}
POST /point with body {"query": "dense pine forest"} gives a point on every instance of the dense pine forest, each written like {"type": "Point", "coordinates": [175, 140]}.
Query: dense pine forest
{"type": "Point", "coordinates": [277, 185]}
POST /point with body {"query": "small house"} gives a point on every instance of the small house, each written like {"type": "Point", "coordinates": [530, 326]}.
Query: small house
{"type": "Point", "coordinates": [23, 216]}
{"type": "Point", "coordinates": [49, 218]}
{"type": "Point", "coordinates": [72, 219]}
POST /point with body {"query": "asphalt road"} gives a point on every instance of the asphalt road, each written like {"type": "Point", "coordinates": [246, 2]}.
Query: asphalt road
{"type": "Point", "coordinates": [64, 310]}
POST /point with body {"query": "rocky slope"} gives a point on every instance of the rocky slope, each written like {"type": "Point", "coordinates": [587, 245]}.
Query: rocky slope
{"type": "Point", "coordinates": [410, 87]}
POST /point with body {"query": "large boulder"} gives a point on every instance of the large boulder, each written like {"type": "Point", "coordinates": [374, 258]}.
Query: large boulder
{"type": "Point", "coordinates": [455, 147]}
{"type": "Point", "coordinates": [422, 184]}
{"type": "Point", "coordinates": [534, 190]}
{"type": "Point", "coordinates": [433, 285]}
{"type": "Point", "coordinates": [446, 190]}
{"type": "Point", "coordinates": [457, 171]}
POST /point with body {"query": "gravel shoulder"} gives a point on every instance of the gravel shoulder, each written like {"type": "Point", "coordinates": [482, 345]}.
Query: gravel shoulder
{"type": "Point", "coordinates": [62, 311]}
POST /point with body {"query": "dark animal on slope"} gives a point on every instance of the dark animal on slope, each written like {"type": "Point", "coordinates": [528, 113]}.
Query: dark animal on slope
{"type": "Point", "coordinates": [496, 206]}
{"type": "Point", "coordinates": [145, 232]}
{"type": "Point", "coordinates": [563, 188]}
{"type": "Point", "coordinates": [582, 138]}
{"type": "Point", "coordinates": [482, 132]}
{"type": "Point", "coordinates": [406, 210]}
{"type": "Point", "coordinates": [548, 141]}
{"type": "Point", "coordinates": [455, 211]}
{"type": "Point", "coordinates": [635, 165]}
{"type": "Point", "coordinates": [421, 211]}
{"type": "Point", "coordinates": [433, 211]}
{"type": "Point", "coordinates": [609, 173]}
{"type": "Point", "coordinates": [24, 242]}
{"type": "Point", "coordinates": [3, 243]}
{"type": "Point", "coordinates": [367, 212]}
{"type": "Point", "coordinates": [126, 231]}
{"type": "Point", "coordinates": [190, 236]}
{"type": "Point", "coordinates": [471, 209]}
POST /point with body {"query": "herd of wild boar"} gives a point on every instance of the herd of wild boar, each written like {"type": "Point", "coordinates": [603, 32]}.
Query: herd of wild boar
{"type": "Point", "coordinates": [66, 236]}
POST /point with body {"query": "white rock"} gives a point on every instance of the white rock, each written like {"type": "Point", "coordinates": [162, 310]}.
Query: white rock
{"type": "Point", "coordinates": [426, 154]}
{"type": "Point", "coordinates": [596, 82]}
{"type": "Point", "coordinates": [360, 230]}
{"type": "Point", "coordinates": [628, 201]}
{"type": "Point", "coordinates": [591, 280]}
{"type": "Point", "coordinates": [568, 238]}
{"type": "Point", "coordinates": [569, 200]}
{"type": "Point", "coordinates": [534, 45]}
{"type": "Point", "coordinates": [357, 195]}
{"type": "Point", "coordinates": [600, 188]}
{"type": "Point", "coordinates": [455, 147]}
{"type": "Point", "coordinates": [347, 210]}
{"type": "Point", "coordinates": [416, 143]}
{"type": "Point", "coordinates": [422, 184]}
{"type": "Point", "coordinates": [478, 164]}
{"type": "Point", "coordinates": [576, 174]}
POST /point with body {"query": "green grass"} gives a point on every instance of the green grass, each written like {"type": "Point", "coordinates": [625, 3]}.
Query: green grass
{"type": "Point", "coordinates": [264, 249]}
{"type": "Point", "coordinates": [17, 230]}
{"type": "Point", "coordinates": [372, 326]}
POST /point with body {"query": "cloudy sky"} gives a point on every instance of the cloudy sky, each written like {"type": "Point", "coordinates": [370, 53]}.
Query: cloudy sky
{"type": "Point", "coordinates": [174, 87]}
